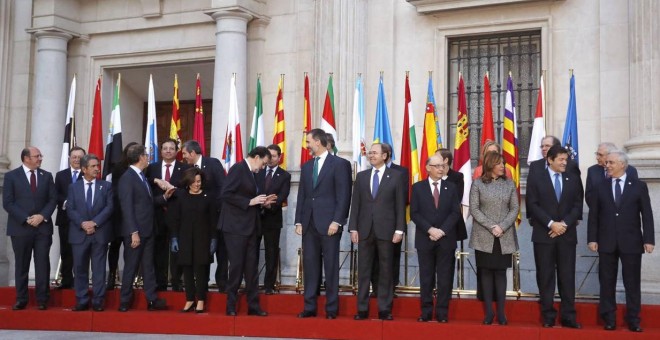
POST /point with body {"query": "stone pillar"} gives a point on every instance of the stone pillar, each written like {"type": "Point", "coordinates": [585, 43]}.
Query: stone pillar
{"type": "Point", "coordinates": [230, 57]}
{"type": "Point", "coordinates": [49, 96]}
{"type": "Point", "coordinates": [644, 144]}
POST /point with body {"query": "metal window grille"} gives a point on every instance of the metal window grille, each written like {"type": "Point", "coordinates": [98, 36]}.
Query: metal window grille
{"type": "Point", "coordinates": [516, 52]}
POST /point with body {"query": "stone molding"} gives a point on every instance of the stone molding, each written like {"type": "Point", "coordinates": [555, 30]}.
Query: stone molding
{"type": "Point", "coordinates": [436, 6]}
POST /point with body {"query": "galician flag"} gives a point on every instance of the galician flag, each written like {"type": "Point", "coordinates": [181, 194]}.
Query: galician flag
{"type": "Point", "coordinates": [462, 143]}
{"type": "Point", "coordinates": [257, 130]}
{"type": "Point", "coordinates": [359, 147]}
{"type": "Point", "coordinates": [151, 137]}
{"type": "Point", "coordinates": [233, 149]}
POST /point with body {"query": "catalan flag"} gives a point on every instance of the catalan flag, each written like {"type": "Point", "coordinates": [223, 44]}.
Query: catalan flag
{"type": "Point", "coordinates": [198, 128]}
{"type": "Point", "coordinates": [462, 143]}
{"type": "Point", "coordinates": [279, 137]}
{"type": "Point", "coordinates": [510, 138]}
{"type": "Point", "coordinates": [431, 140]}
{"type": "Point", "coordinates": [409, 157]}
{"type": "Point", "coordinates": [307, 117]}
{"type": "Point", "coordinates": [175, 123]}
{"type": "Point", "coordinates": [382, 132]}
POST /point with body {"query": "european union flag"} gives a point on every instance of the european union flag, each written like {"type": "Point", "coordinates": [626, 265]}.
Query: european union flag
{"type": "Point", "coordinates": [570, 139]}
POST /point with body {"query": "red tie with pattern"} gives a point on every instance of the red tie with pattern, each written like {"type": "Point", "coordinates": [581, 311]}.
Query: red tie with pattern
{"type": "Point", "coordinates": [33, 181]}
{"type": "Point", "coordinates": [167, 172]}
{"type": "Point", "coordinates": [436, 194]}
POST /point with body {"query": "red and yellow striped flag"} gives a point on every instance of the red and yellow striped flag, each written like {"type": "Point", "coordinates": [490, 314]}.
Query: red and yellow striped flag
{"type": "Point", "coordinates": [510, 139]}
{"type": "Point", "coordinates": [307, 116]}
{"type": "Point", "coordinates": [175, 123]}
{"type": "Point", "coordinates": [280, 138]}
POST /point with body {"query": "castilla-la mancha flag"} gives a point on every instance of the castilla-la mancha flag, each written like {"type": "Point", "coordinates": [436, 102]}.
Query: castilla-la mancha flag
{"type": "Point", "coordinates": [462, 143]}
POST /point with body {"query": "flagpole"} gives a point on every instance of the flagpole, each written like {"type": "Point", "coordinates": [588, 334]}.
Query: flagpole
{"type": "Point", "coordinates": [545, 97]}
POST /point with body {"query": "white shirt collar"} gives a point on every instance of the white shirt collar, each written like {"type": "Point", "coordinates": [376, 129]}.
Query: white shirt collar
{"type": "Point", "coordinates": [199, 162]}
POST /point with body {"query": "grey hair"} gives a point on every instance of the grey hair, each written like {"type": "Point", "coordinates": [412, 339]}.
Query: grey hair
{"type": "Point", "coordinates": [86, 158]}
{"type": "Point", "coordinates": [608, 146]}
{"type": "Point", "coordinates": [622, 156]}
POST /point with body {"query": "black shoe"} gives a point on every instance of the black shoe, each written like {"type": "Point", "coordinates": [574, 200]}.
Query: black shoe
{"type": "Point", "coordinates": [177, 289]}
{"type": "Point", "coordinates": [190, 308]}
{"type": "Point", "coordinates": [257, 312]}
{"type": "Point", "coordinates": [373, 294]}
{"type": "Point", "coordinates": [635, 328]}
{"type": "Point", "coordinates": [502, 320]}
{"type": "Point", "coordinates": [64, 286]}
{"type": "Point", "coordinates": [610, 327]}
{"type": "Point", "coordinates": [98, 308]}
{"type": "Point", "coordinates": [124, 307]}
{"type": "Point", "coordinates": [80, 308]}
{"type": "Point", "coordinates": [361, 316]}
{"type": "Point", "coordinates": [488, 320]}
{"type": "Point", "coordinates": [222, 289]}
{"type": "Point", "coordinates": [386, 316]}
{"type": "Point", "coordinates": [161, 288]}
{"type": "Point", "coordinates": [570, 324]}
{"type": "Point", "coordinates": [42, 306]}
{"type": "Point", "coordinates": [548, 324]}
{"type": "Point", "coordinates": [269, 291]}
{"type": "Point", "coordinates": [424, 319]}
{"type": "Point", "coordinates": [19, 306]}
{"type": "Point", "coordinates": [443, 320]}
{"type": "Point", "coordinates": [231, 313]}
{"type": "Point", "coordinates": [331, 316]}
{"type": "Point", "coordinates": [158, 304]}
{"type": "Point", "coordinates": [306, 314]}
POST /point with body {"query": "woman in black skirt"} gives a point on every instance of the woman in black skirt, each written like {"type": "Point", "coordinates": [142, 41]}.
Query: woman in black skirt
{"type": "Point", "coordinates": [494, 207]}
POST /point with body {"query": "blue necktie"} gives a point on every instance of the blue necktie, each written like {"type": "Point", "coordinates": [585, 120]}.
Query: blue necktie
{"type": "Point", "coordinates": [89, 197]}
{"type": "Point", "coordinates": [617, 192]}
{"type": "Point", "coordinates": [557, 187]}
{"type": "Point", "coordinates": [146, 184]}
{"type": "Point", "coordinates": [74, 177]}
{"type": "Point", "coordinates": [374, 185]}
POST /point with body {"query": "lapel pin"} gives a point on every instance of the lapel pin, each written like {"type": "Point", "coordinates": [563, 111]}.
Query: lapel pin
{"type": "Point", "coordinates": [629, 183]}
{"type": "Point", "coordinates": [101, 187]}
{"type": "Point", "coordinates": [567, 178]}
{"type": "Point", "coordinates": [388, 176]}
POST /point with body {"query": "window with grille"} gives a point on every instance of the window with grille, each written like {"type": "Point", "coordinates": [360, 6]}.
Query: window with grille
{"type": "Point", "coordinates": [518, 53]}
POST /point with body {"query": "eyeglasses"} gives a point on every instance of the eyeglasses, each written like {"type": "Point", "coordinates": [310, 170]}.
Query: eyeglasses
{"type": "Point", "coordinates": [600, 154]}
{"type": "Point", "coordinates": [439, 166]}
{"type": "Point", "coordinates": [37, 156]}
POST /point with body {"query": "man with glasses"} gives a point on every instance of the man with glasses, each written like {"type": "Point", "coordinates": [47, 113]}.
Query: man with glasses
{"type": "Point", "coordinates": [29, 197]}
{"type": "Point", "coordinates": [597, 173]}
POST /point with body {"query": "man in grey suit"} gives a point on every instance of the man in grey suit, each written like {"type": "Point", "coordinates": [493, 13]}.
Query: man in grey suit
{"type": "Point", "coordinates": [29, 197]}
{"type": "Point", "coordinates": [377, 223]}
{"type": "Point", "coordinates": [89, 209]}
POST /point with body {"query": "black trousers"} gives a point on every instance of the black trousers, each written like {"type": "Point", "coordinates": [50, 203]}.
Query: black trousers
{"type": "Point", "coordinates": [242, 262]}
{"type": "Point", "coordinates": [396, 267]}
{"type": "Point", "coordinates": [66, 255]}
{"type": "Point", "coordinates": [195, 278]}
{"type": "Point", "coordinates": [556, 263]}
{"type": "Point", "coordinates": [631, 268]}
{"type": "Point", "coordinates": [113, 254]}
{"type": "Point", "coordinates": [493, 288]}
{"type": "Point", "coordinates": [435, 272]}
{"type": "Point", "coordinates": [221, 271]}
{"type": "Point", "coordinates": [133, 258]}
{"type": "Point", "coordinates": [370, 250]}
{"type": "Point", "coordinates": [24, 247]}
{"type": "Point", "coordinates": [316, 246]}
{"type": "Point", "coordinates": [271, 237]}
{"type": "Point", "coordinates": [161, 259]}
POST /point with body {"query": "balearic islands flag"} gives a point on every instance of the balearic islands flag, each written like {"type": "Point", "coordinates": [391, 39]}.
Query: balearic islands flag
{"type": "Point", "coordinates": [462, 143]}
{"type": "Point", "coordinates": [510, 138]}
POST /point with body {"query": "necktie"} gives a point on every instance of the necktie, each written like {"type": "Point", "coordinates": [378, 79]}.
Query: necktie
{"type": "Point", "coordinates": [269, 178]}
{"type": "Point", "coordinates": [146, 184]}
{"type": "Point", "coordinates": [315, 173]}
{"type": "Point", "coordinates": [617, 192]}
{"type": "Point", "coordinates": [168, 175]}
{"type": "Point", "coordinates": [89, 197]}
{"type": "Point", "coordinates": [197, 166]}
{"type": "Point", "coordinates": [557, 187]}
{"type": "Point", "coordinates": [74, 178]}
{"type": "Point", "coordinates": [33, 181]}
{"type": "Point", "coordinates": [374, 185]}
{"type": "Point", "coordinates": [436, 194]}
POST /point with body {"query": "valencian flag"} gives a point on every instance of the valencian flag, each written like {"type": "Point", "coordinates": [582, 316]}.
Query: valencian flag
{"type": "Point", "coordinates": [538, 130]}
{"type": "Point", "coordinates": [175, 123]}
{"type": "Point", "coordinates": [382, 132]}
{"type": "Point", "coordinates": [113, 147]}
{"type": "Point", "coordinates": [279, 137]}
{"type": "Point", "coordinates": [409, 158]}
{"type": "Point", "coordinates": [69, 127]}
{"type": "Point", "coordinates": [431, 139]}
{"type": "Point", "coordinates": [510, 138]}
{"type": "Point", "coordinates": [233, 150]}
{"type": "Point", "coordinates": [257, 131]}
{"type": "Point", "coordinates": [570, 139]}
{"type": "Point", "coordinates": [198, 128]}
{"type": "Point", "coordinates": [150, 136]}
{"type": "Point", "coordinates": [462, 143]}
{"type": "Point", "coordinates": [307, 116]}
{"type": "Point", "coordinates": [96, 135]}
{"type": "Point", "coordinates": [487, 128]}
{"type": "Point", "coordinates": [359, 147]}
{"type": "Point", "coordinates": [328, 119]}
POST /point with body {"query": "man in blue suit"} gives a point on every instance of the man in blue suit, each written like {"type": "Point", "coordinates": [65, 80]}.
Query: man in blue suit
{"type": "Point", "coordinates": [89, 208]}
{"type": "Point", "coordinates": [137, 206]}
{"type": "Point", "coordinates": [324, 197]}
{"type": "Point", "coordinates": [620, 228]}
{"type": "Point", "coordinates": [29, 198]}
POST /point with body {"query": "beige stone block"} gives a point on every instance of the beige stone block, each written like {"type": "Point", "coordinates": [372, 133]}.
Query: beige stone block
{"type": "Point", "coordinates": [283, 7]}
{"type": "Point", "coordinates": [280, 37]}
{"type": "Point", "coordinates": [613, 12]}
{"type": "Point", "coordinates": [572, 14]}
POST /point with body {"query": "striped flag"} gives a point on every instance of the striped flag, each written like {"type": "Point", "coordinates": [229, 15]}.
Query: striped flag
{"type": "Point", "coordinates": [175, 123]}
{"type": "Point", "coordinates": [198, 128]}
{"type": "Point", "coordinates": [113, 147]}
{"type": "Point", "coordinates": [538, 130]}
{"type": "Point", "coordinates": [257, 130]}
{"type": "Point", "coordinates": [409, 158]}
{"type": "Point", "coordinates": [462, 143]}
{"type": "Point", "coordinates": [487, 128]}
{"type": "Point", "coordinates": [382, 132]}
{"type": "Point", "coordinates": [570, 140]}
{"type": "Point", "coordinates": [96, 135]}
{"type": "Point", "coordinates": [307, 116]}
{"type": "Point", "coordinates": [233, 149]}
{"type": "Point", "coordinates": [151, 137]}
{"type": "Point", "coordinates": [69, 127]}
{"type": "Point", "coordinates": [510, 138]}
{"type": "Point", "coordinates": [431, 140]}
{"type": "Point", "coordinates": [359, 147]}
{"type": "Point", "coordinates": [279, 137]}
{"type": "Point", "coordinates": [328, 119]}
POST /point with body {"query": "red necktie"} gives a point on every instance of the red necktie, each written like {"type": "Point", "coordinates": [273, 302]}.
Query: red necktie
{"type": "Point", "coordinates": [167, 173]}
{"type": "Point", "coordinates": [436, 194]}
{"type": "Point", "coordinates": [33, 181]}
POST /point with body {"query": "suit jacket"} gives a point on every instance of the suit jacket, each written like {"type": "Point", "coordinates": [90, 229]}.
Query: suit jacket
{"type": "Point", "coordinates": [425, 215]}
{"type": "Point", "coordinates": [20, 203]}
{"type": "Point", "coordinates": [237, 216]}
{"type": "Point", "coordinates": [596, 175]}
{"type": "Point", "coordinates": [137, 205]}
{"type": "Point", "coordinates": [544, 206]}
{"type": "Point", "coordinates": [625, 227]}
{"type": "Point", "coordinates": [327, 202]}
{"type": "Point", "coordinates": [539, 167]}
{"type": "Point", "coordinates": [405, 177]}
{"type": "Point", "coordinates": [215, 177]}
{"type": "Point", "coordinates": [458, 180]}
{"type": "Point", "coordinates": [62, 182]}
{"type": "Point", "coordinates": [385, 213]}
{"type": "Point", "coordinates": [280, 185]}
{"type": "Point", "coordinates": [155, 170]}
{"type": "Point", "coordinates": [101, 213]}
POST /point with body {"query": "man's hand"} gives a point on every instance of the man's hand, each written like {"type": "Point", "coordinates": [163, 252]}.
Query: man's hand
{"type": "Point", "coordinates": [355, 238]}
{"type": "Point", "coordinates": [162, 184]}
{"type": "Point", "coordinates": [593, 246]}
{"type": "Point", "coordinates": [648, 248]}
{"type": "Point", "coordinates": [397, 238]}
{"type": "Point", "coordinates": [169, 192]}
{"type": "Point", "coordinates": [35, 220]}
{"type": "Point", "coordinates": [89, 227]}
{"type": "Point", "coordinates": [270, 199]}
{"type": "Point", "coordinates": [557, 229]}
{"type": "Point", "coordinates": [332, 229]}
{"type": "Point", "coordinates": [435, 233]}
{"type": "Point", "coordinates": [135, 240]}
{"type": "Point", "coordinates": [261, 199]}
{"type": "Point", "coordinates": [298, 229]}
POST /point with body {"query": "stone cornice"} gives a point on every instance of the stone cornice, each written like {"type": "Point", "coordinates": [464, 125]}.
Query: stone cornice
{"type": "Point", "coordinates": [436, 6]}
{"type": "Point", "coordinates": [52, 31]}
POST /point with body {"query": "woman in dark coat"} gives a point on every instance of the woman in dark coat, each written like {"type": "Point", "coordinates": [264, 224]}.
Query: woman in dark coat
{"type": "Point", "coordinates": [192, 221]}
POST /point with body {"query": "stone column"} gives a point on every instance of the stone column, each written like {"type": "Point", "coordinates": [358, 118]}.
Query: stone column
{"type": "Point", "coordinates": [644, 144]}
{"type": "Point", "coordinates": [230, 57]}
{"type": "Point", "coordinates": [49, 96]}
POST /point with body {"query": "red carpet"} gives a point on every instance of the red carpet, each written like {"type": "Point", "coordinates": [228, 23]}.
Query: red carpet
{"type": "Point", "coordinates": [465, 319]}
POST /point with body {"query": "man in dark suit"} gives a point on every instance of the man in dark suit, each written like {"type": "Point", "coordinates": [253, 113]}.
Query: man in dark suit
{"type": "Point", "coordinates": [240, 223]}
{"type": "Point", "coordinates": [324, 197]}
{"type": "Point", "coordinates": [435, 209]}
{"type": "Point", "coordinates": [137, 205]}
{"type": "Point", "coordinates": [89, 208]}
{"type": "Point", "coordinates": [29, 197]}
{"type": "Point", "coordinates": [63, 179]}
{"type": "Point", "coordinates": [162, 175]}
{"type": "Point", "coordinates": [273, 180]}
{"type": "Point", "coordinates": [597, 173]}
{"type": "Point", "coordinates": [214, 174]}
{"type": "Point", "coordinates": [378, 217]}
{"type": "Point", "coordinates": [555, 199]}
{"type": "Point", "coordinates": [620, 228]}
